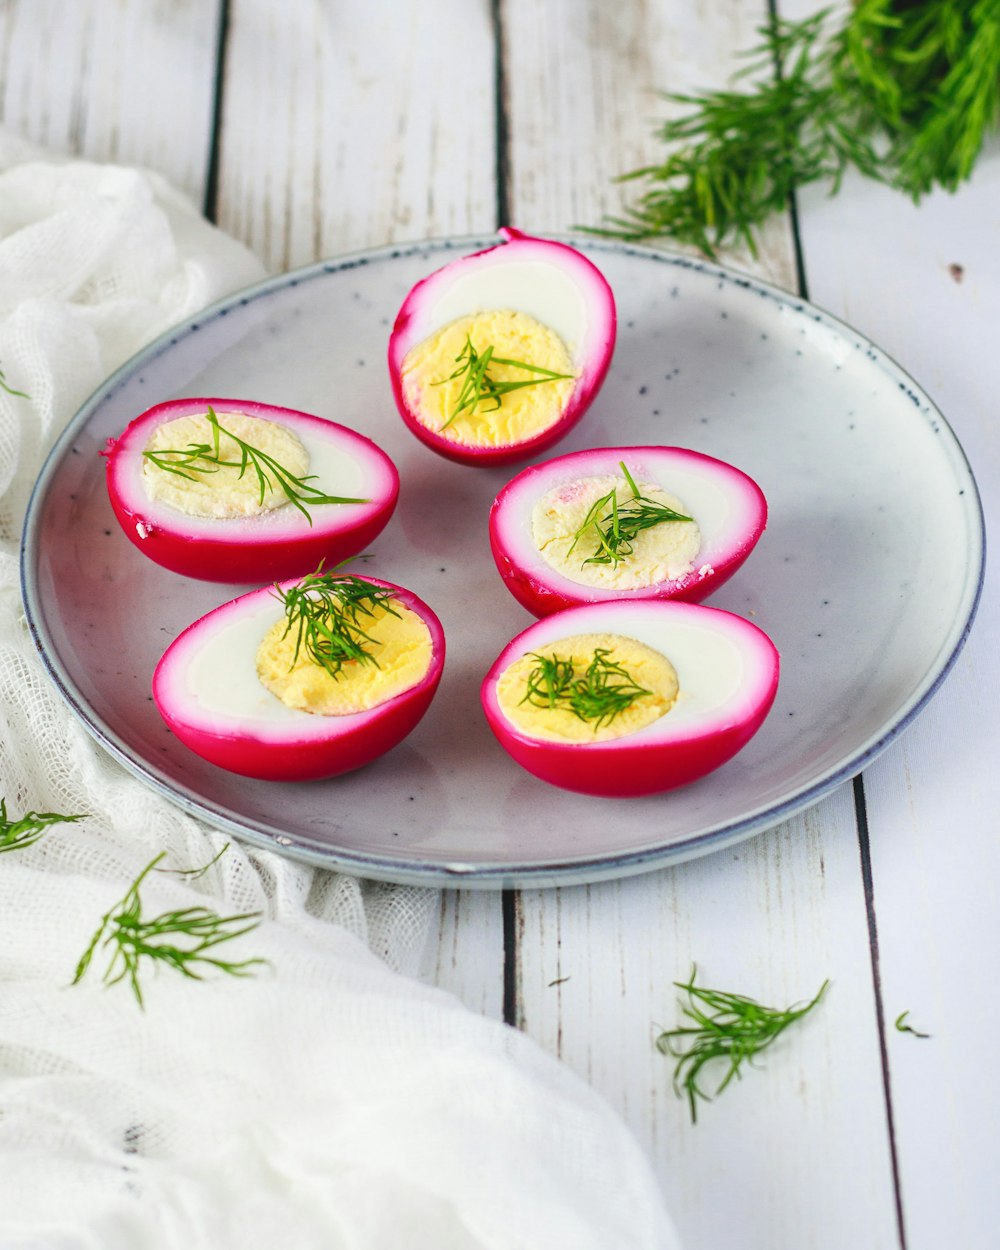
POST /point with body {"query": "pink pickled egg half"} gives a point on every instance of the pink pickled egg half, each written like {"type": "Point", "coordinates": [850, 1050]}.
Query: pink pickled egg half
{"type": "Point", "coordinates": [549, 561]}
{"type": "Point", "coordinates": [255, 545]}
{"type": "Point", "coordinates": [726, 674]}
{"type": "Point", "coordinates": [207, 690]}
{"type": "Point", "coordinates": [551, 283]}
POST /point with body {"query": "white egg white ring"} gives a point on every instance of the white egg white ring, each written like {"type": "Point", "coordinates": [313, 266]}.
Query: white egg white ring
{"type": "Point", "coordinates": [727, 505]}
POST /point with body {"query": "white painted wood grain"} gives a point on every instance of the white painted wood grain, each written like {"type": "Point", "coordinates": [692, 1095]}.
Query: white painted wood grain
{"type": "Point", "coordinates": [585, 86]}
{"type": "Point", "coordinates": [464, 952]}
{"type": "Point", "coordinates": [351, 125]}
{"type": "Point", "coordinates": [933, 799]}
{"type": "Point", "coordinates": [113, 80]}
{"type": "Point", "coordinates": [796, 1153]}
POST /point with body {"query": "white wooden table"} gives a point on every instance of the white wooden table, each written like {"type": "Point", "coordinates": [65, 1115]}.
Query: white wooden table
{"type": "Point", "coordinates": [314, 127]}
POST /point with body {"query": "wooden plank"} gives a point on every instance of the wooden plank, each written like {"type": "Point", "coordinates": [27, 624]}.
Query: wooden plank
{"type": "Point", "coordinates": [584, 85]}
{"type": "Point", "coordinates": [798, 1147]}
{"type": "Point", "coordinates": [331, 139]}
{"type": "Point", "coordinates": [464, 952]}
{"type": "Point", "coordinates": [113, 80]}
{"type": "Point", "coordinates": [792, 1150]}
{"type": "Point", "coordinates": [924, 283]}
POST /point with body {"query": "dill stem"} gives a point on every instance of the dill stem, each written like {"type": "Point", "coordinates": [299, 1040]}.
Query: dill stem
{"type": "Point", "coordinates": [479, 387]}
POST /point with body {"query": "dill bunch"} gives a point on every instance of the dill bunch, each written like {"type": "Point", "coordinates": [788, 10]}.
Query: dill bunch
{"type": "Point", "coordinates": [905, 91]}
{"type": "Point", "coordinates": [324, 610]}
{"type": "Point", "coordinates": [602, 692]}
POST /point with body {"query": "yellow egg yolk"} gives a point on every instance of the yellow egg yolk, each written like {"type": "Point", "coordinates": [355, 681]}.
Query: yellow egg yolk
{"type": "Point", "coordinates": [606, 670]}
{"type": "Point", "coordinates": [201, 487]}
{"type": "Point", "coordinates": [568, 542]}
{"type": "Point", "coordinates": [436, 379]}
{"type": "Point", "coordinates": [399, 649]}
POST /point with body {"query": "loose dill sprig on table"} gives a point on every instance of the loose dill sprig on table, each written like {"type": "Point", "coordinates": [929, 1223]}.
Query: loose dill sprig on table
{"type": "Point", "coordinates": [903, 1027]}
{"type": "Point", "coordinates": [197, 460]}
{"type": "Point", "coordinates": [603, 692]}
{"type": "Point", "coordinates": [184, 940]}
{"type": "Point", "coordinates": [15, 835]}
{"type": "Point", "coordinates": [618, 526]}
{"type": "Point", "coordinates": [477, 385]}
{"type": "Point", "coordinates": [724, 1026]}
{"type": "Point", "coordinates": [903, 90]}
{"type": "Point", "coordinates": [5, 386]}
{"type": "Point", "coordinates": [325, 610]}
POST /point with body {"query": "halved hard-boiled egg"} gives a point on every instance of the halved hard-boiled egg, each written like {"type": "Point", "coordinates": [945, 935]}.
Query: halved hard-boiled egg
{"type": "Point", "coordinates": [230, 490]}
{"type": "Point", "coordinates": [630, 698]}
{"type": "Point", "coordinates": [623, 523]}
{"type": "Point", "coordinates": [310, 678]}
{"type": "Point", "coordinates": [497, 355]}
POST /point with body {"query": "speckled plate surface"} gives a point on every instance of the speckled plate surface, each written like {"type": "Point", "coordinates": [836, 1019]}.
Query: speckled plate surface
{"type": "Point", "coordinates": [867, 578]}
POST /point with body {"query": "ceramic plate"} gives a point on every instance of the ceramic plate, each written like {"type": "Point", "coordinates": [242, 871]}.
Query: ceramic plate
{"type": "Point", "coordinates": [867, 577]}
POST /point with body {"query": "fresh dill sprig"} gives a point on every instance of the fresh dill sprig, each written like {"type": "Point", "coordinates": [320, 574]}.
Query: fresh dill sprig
{"type": "Point", "coordinates": [5, 386]}
{"type": "Point", "coordinates": [903, 1027]}
{"type": "Point", "coordinates": [200, 459]}
{"type": "Point", "coordinates": [605, 690]}
{"type": "Point", "coordinates": [724, 1026]}
{"type": "Point", "coordinates": [477, 385]}
{"type": "Point", "coordinates": [902, 90]}
{"type": "Point", "coordinates": [325, 610]}
{"type": "Point", "coordinates": [618, 526]}
{"type": "Point", "coordinates": [602, 692]}
{"type": "Point", "coordinates": [549, 681]}
{"type": "Point", "coordinates": [17, 834]}
{"type": "Point", "coordinates": [184, 940]}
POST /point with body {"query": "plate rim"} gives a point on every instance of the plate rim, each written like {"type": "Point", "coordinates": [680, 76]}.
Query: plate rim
{"type": "Point", "coordinates": [494, 874]}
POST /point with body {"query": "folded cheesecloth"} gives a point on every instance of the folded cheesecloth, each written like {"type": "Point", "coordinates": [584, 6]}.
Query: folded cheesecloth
{"type": "Point", "coordinates": [325, 1099]}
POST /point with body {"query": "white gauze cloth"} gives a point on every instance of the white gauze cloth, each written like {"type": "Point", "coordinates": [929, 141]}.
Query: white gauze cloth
{"type": "Point", "coordinates": [328, 1101]}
